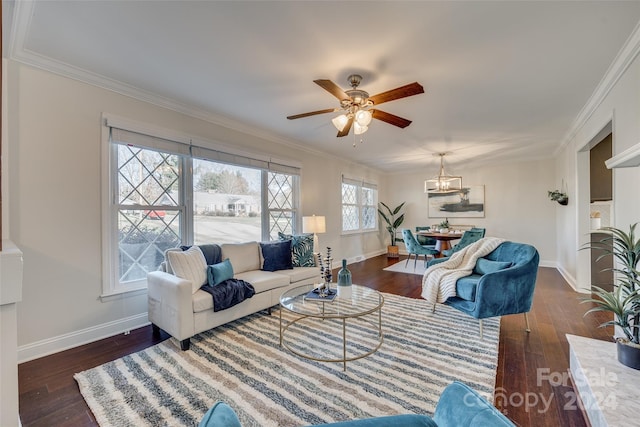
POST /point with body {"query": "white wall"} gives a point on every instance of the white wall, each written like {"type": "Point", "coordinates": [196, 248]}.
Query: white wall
{"type": "Point", "coordinates": [55, 213]}
{"type": "Point", "coordinates": [516, 204]}
{"type": "Point", "coordinates": [621, 106]}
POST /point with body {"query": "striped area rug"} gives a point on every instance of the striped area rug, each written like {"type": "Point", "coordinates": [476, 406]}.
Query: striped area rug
{"type": "Point", "coordinates": [243, 364]}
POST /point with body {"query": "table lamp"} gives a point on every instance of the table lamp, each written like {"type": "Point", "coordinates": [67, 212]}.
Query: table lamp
{"type": "Point", "coordinates": [314, 224]}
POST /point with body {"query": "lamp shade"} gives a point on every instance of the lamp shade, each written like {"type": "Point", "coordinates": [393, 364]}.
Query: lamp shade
{"type": "Point", "coordinates": [313, 224]}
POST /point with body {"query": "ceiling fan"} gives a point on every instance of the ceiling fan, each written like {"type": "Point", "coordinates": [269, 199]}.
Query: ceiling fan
{"type": "Point", "coordinates": [359, 108]}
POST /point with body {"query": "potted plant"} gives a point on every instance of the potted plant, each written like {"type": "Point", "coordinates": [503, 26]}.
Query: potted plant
{"type": "Point", "coordinates": [559, 196]}
{"type": "Point", "coordinates": [393, 223]}
{"type": "Point", "coordinates": [624, 300]}
{"type": "Point", "coordinates": [443, 227]}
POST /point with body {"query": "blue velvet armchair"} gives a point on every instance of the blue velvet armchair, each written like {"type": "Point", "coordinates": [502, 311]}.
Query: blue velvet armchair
{"type": "Point", "coordinates": [502, 283]}
{"type": "Point", "coordinates": [459, 405]}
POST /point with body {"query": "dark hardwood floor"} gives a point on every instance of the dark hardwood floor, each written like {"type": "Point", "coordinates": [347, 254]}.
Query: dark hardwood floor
{"type": "Point", "coordinates": [49, 395]}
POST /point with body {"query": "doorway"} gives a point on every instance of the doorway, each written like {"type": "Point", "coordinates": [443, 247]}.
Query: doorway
{"type": "Point", "coordinates": [601, 202]}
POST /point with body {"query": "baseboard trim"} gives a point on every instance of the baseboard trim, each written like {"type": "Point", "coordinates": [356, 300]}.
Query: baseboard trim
{"type": "Point", "coordinates": [77, 338]}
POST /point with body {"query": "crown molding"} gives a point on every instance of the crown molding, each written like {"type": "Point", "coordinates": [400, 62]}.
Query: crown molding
{"type": "Point", "coordinates": [21, 23]}
{"type": "Point", "coordinates": [618, 67]}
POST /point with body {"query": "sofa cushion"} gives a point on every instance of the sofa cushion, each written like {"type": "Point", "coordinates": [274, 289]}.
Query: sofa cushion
{"type": "Point", "coordinates": [486, 266]}
{"type": "Point", "coordinates": [466, 287]}
{"type": "Point", "coordinates": [218, 273]}
{"type": "Point", "coordinates": [202, 301]}
{"type": "Point", "coordinates": [276, 255]}
{"type": "Point", "coordinates": [189, 265]}
{"type": "Point", "coordinates": [264, 280]}
{"type": "Point", "coordinates": [301, 273]}
{"type": "Point", "coordinates": [243, 256]}
{"type": "Point", "coordinates": [301, 249]}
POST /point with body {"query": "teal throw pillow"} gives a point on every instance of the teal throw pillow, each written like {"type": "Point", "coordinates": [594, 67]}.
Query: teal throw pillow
{"type": "Point", "coordinates": [277, 255]}
{"type": "Point", "coordinates": [218, 273]}
{"type": "Point", "coordinates": [301, 249]}
{"type": "Point", "coordinates": [486, 266]}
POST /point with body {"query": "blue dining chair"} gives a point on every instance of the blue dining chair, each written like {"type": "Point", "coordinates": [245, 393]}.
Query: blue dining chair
{"type": "Point", "coordinates": [424, 240]}
{"type": "Point", "coordinates": [469, 237]}
{"type": "Point", "coordinates": [415, 248]}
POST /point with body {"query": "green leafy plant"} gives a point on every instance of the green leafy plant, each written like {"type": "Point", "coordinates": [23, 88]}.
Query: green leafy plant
{"type": "Point", "coordinates": [624, 300]}
{"type": "Point", "coordinates": [558, 196]}
{"type": "Point", "coordinates": [392, 221]}
{"type": "Point", "coordinates": [444, 224]}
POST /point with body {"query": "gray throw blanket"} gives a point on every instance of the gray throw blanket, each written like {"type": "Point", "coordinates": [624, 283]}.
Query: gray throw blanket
{"type": "Point", "coordinates": [439, 280]}
{"type": "Point", "coordinates": [212, 252]}
{"type": "Point", "coordinates": [229, 293]}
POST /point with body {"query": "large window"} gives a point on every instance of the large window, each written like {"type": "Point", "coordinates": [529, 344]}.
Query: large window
{"type": "Point", "coordinates": [165, 193]}
{"type": "Point", "coordinates": [359, 206]}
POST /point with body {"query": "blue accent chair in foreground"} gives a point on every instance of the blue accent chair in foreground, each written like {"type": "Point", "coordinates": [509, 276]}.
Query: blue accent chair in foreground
{"type": "Point", "coordinates": [458, 406]}
{"type": "Point", "coordinates": [501, 283]}
{"type": "Point", "coordinates": [415, 248]}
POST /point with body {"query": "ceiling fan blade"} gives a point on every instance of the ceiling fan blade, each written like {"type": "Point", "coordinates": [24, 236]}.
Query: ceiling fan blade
{"type": "Point", "coordinates": [332, 88]}
{"type": "Point", "coordinates": [312, 113]}
{"type": "Point", "coordinates": [392, 119]}
{"type": "Point", "coordinates": [345, 130]}
{"type": "Point", "coordinates": [397, 93]}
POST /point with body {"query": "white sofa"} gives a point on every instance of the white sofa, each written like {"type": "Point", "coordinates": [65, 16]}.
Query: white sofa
{"type": "Point", "coordinates": [176, 309]}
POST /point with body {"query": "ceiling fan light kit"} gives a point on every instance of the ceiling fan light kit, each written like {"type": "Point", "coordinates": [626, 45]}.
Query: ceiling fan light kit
{"type": "Point", "coordinates": [358, 107]}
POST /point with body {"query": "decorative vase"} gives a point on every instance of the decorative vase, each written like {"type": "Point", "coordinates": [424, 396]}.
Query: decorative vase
{"type": "Point", "coordinates": [344, 275]}
{"type": "Point", "coordinates": [595, 223]}
{"type": "Point", "coordinates": [344, 281]}
{"type": "Point", "coordinates": [628, 355]}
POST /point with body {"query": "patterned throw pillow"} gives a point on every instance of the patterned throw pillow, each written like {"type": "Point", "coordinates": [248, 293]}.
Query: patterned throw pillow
{"type": "Point", "coordinates": [301, 249]}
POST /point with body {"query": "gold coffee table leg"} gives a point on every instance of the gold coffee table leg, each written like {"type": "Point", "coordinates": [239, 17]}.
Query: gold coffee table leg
{"type": "Point", "coordinates": [344, 343]}
{"type": "Point", "coordinates": [280, 326]}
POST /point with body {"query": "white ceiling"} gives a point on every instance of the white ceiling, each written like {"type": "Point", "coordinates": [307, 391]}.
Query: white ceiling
{"type": "Point", "coordinates": [503, 80]}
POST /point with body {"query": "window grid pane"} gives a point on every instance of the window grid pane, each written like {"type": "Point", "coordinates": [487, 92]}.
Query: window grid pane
{"type": "Point", "coordinates": [146, 177]}
{"type": "Point", "coordinates": [280, 202]}
{"type": "Point", "coordinates": [359, 207]}
{"type": "Point", "coordinates": [350, 218]}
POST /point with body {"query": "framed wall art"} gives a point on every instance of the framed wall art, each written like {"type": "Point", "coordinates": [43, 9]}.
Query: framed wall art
{"type": "Point", "coordinates": [465, 203]}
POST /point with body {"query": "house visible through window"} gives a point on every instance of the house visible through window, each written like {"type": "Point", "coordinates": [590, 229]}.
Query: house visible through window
{"type": "Point", "coordinates": [167, 193]}
{"type": "Point", "coordinates": [359, 206]}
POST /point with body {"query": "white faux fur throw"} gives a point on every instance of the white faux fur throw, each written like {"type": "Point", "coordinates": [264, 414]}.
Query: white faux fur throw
{"type": "Point", "coordinates": [439, 280]}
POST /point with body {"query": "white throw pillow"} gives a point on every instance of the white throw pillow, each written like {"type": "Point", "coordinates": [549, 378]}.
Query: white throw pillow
{"type": "Point", "coordinates": [189, 265]}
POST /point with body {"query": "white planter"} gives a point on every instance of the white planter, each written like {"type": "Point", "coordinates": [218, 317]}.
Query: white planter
{"type": "Point", "coordinates": [595, 223]}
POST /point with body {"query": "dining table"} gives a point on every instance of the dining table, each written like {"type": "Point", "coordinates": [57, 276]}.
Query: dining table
{"type": "Point", "coordinates": [443, 240]}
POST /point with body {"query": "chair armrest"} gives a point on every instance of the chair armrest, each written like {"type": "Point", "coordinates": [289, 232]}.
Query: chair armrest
{"type": "Point", "coordinates": [170, 304]}
{"type": "Point", "coordinates": [508, 291]}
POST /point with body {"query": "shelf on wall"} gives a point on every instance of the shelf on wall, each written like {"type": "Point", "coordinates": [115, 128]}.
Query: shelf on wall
{"type": "Point", "coordinates": [628, 158]}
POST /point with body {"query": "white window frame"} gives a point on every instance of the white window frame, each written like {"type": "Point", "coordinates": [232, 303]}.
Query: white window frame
{"type": "Point", "coordinates": [111, 286]}
{"type": "Point", "coordinates": [359, 184]}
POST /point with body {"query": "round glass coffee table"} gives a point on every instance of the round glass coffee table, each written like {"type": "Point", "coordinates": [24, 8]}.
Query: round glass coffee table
{"type": "Point", "coordinates": [317, 329]}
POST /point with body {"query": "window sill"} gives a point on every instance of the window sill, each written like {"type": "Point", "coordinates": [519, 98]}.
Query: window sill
{"type": "Point", "coordinates": [353, 233]}
{"type": "Point", "coordinates": [121, 294]}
